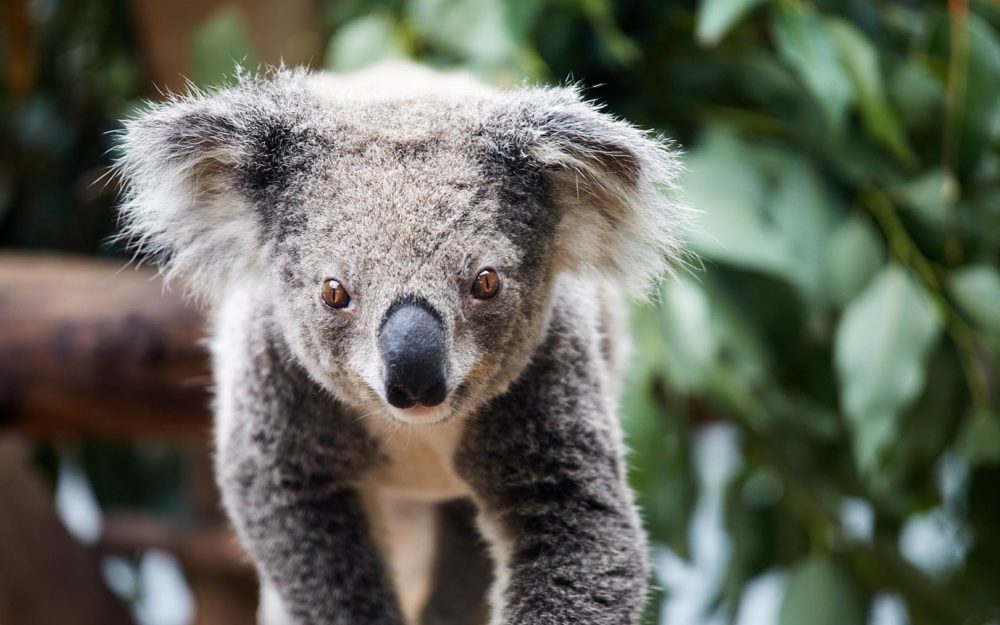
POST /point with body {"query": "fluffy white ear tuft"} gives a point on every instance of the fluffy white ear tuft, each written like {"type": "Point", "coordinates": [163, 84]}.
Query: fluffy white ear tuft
{"type": "Point", "coordinates": [189, 166]}
{"type": "Point", "coordinates": [617, 187]}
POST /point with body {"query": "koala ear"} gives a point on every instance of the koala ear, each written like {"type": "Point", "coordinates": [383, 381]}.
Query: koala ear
{"type": "Point", "coordinates": [192, 169]}
{"type": "Point", "coordinates": [616, 187]}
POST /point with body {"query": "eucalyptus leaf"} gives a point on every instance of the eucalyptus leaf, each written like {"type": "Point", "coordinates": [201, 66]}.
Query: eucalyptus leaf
{"type": "Point", "coordinates": [931, 196]}
{"type": "Point", "coordinates": [979, 439]}
{"type": "Point", "coordinates": [880, 351]}
{"type": "Point", "coordinates": [741, 349]}
{"type": "Point", "coordinates": [718, 17]}
{"type": "Point", "coordinates": [819, 592]}
{"type": "Point", "coordinates": [478, 30]}
{"type": "Point", "coordinates": [724, 183]}
{"type": "Point", "coordinates": [854, 254]}
{"type": "Point", "coordinates": [977, 290]}
{"type": "Point", "coordinates": [905, 477]}
{"type": "Point", "coordinates": [860, 58]}
{"type": "Point", "coordinates": [658, 438]}
{"type": "Point", "coordinates": [803, 210]}
{"type": "Point", "coordinates": [762, 209]}
{"type": "Point", "coordinates": [365, 40]}
{"type": "Point", "coordinates": [806, 44]}
{"type": "Point", "coordinates": [979, 115]}
{"type": "Point", "coordinates": [918, 95]}
{"type": "Point", "coordinates": [691, 343]}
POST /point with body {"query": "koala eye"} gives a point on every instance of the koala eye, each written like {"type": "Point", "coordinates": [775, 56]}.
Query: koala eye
{"type": "Point", "coordinates": [486, 284]}
{"type": "Point", "coordinates": [335, 295]}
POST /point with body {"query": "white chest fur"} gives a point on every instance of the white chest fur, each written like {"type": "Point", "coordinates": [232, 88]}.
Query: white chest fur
{"type": "Point", "coordinates": [417, 460]}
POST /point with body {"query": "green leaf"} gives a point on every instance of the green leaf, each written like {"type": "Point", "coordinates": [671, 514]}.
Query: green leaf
{"type": "Point", "coordinates": [931, 196]}
{"type": "Point", "coordinates": [742, 351]}
{"type": "Point", "coordinates": [805, 43]}
{"type": "Point", "coordinates": [905, 477]}
{"type": "Point", "coordinates": [820, 593]}
{"type": "Point", "coordinates": [979, 438]}
{"type": "Point", "coordinates": [661, 466]}
{"type": "Point", "coordinates": [854, 255]}
{"type": "Point", "coordinates": [659, 440]}
{"type": "Point", "coordinates": [691, 343]}
{"type": "Point", "coordinates": [702, 332]}
{"type": "Point", "coordinates": [860, 58]}
{"type": "Point", "coordinates": [476, 30]}
{"type": "Point", "coordinates": [918, 95]}
{"type": "Point", "coordinates": [980, 104]}
{"type": "Point", "coordinates": [802, 212]}
{"type": "Point", "coordinates": [617, 45]}
{"type": "Point", "coordinates": [762, 208]}
{"type": "Point", "coordinates": [723, 182]}
{"type": "Point", "coordinates": [219, 46]}
{"type": "Point", "coordinates": [365, 40]}
{"type": "Point", "coordinates": [977, 291]}
{"type": "Point", "coordinates": [801, 416]}
{"type": "Point", "coordinates": [880, 352]}
{"type": "Point", "coordinates": [717, 17]}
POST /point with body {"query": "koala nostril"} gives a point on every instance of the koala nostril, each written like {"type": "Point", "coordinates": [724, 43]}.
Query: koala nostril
{"type": "Point", "coordinates": [399, 398]}
{"type": "Point", "coordinates": [402, 397]}
{"type": "Point", "coordinates": [434, 395]}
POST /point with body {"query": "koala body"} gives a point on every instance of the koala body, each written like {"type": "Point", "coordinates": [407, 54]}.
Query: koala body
{"type": "Point", "coordinates": [416, 289]}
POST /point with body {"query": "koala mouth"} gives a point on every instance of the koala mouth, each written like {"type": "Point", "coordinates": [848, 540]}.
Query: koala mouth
{"type": "Point", "coordinates": [422, 415]}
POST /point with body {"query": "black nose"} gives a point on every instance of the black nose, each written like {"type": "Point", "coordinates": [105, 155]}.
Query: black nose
{"type": "Point", "coordinates": [412, 342]}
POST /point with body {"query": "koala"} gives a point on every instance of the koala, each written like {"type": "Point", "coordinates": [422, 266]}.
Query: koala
{"type": "Point", "coordinates": [416, 288]}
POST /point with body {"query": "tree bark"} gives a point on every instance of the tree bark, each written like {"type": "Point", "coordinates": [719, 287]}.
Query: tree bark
{"type": "Point", "coordinates": [90, 349]}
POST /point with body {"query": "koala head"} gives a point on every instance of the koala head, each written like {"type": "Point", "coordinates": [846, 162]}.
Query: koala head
{"type": "Point", "coordinates": [406, 241]}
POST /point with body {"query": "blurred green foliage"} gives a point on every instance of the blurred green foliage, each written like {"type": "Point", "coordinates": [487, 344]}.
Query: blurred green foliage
{"type": "Point", "coordinates": [845, 156]}
{"type": "Point", "coordinates": [68, 74]}
{"type": "Point", "coordinates": [846, 160]}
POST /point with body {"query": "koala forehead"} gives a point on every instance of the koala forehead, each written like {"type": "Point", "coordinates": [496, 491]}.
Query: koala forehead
{"type": "Point", "coordinates": [395, 168]}
{"type": "Point", "coordinates": [406, 186]}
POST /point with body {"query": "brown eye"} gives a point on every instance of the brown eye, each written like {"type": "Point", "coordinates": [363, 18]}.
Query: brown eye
{"type": "Point", "coordinates": [335, 295]}
{"type": "Point", "coordinates": [486, 285]}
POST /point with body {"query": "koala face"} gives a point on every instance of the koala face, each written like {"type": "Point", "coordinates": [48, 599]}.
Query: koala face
{"type": "Point", "coordinates": [443, 262]}
{"type": "Point", "coordinates": [410, 242]}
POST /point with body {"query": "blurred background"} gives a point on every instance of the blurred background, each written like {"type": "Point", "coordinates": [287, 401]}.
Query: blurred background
{"type": "Point", "coordinates": [814, 410]}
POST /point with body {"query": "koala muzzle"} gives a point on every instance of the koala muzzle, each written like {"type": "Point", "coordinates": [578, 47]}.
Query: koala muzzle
{"type": "Point", "coordinates": [413, 343]}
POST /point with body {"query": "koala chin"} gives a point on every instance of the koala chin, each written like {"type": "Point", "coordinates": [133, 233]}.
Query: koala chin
{"type": "Point", "coordinates": [416, 285]}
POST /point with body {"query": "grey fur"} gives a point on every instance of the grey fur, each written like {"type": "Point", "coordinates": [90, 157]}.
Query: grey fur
{"type": "Point", "coordinates": [402, 184]}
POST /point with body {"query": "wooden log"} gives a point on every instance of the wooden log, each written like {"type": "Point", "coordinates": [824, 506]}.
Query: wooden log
{"type": "Point", "coordinates": [90, 349]}
{"type": "Point", "coordinates": [46, 577]}
{"type": "Point", "coordinates": [211, 550]}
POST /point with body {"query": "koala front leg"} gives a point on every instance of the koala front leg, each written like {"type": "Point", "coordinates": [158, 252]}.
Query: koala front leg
{"type": "Point", "coordinates": [545, 464]}
{"type": "Point", "coordinates": [288, 462]}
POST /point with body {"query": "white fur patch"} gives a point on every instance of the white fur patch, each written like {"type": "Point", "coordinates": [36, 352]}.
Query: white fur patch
{"type": "Point", "coordinates": [618, 185]}
{"type": "Point", "coordinates": [178, 162]}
